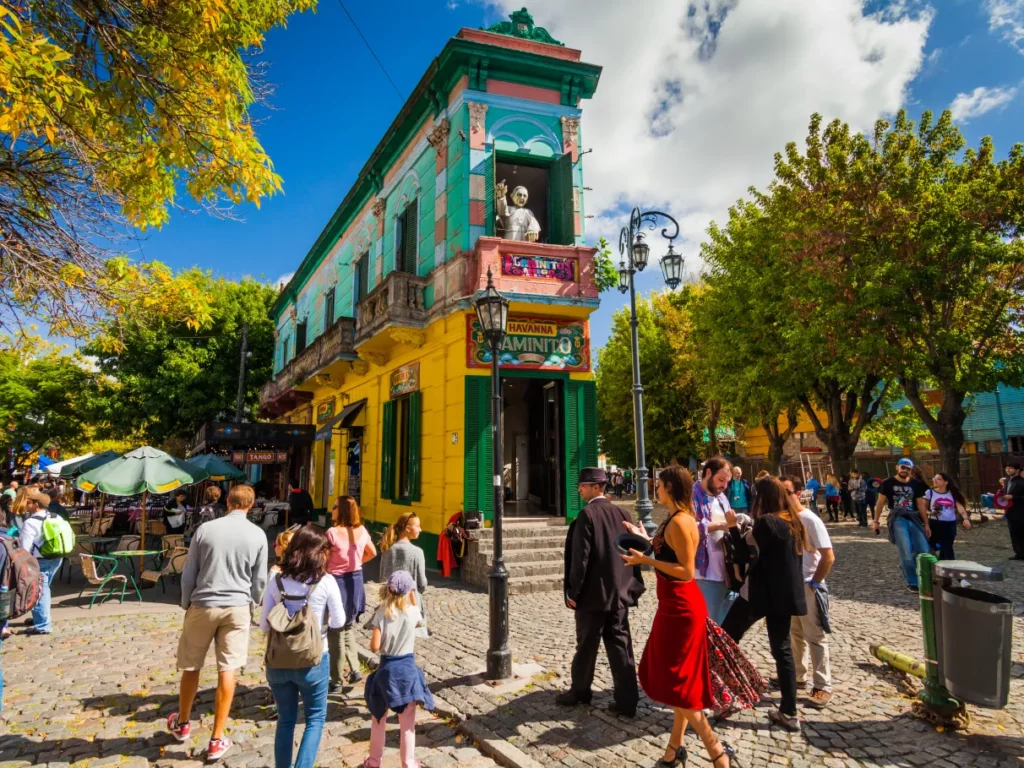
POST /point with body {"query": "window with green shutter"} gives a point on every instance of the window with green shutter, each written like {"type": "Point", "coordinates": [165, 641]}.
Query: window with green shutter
{"type": "Point", "coordinates": [387, 453]}
{"type": "Point", "coordinates": [562, 216]}
{"type": "Point", "coordinates": [477, 489]}
{"type": "Point", "coordinates": [406, 231]}
{"type": "Point", "coordinates": [549, 186]}
{"type": "Point", "coordinates": [401, 457]}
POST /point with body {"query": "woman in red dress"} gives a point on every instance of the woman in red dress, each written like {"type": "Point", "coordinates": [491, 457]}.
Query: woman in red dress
{"type": "Point", "coordinates": [675, 669]}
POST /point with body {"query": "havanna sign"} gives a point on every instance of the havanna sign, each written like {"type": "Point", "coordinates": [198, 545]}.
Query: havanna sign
{"type": "Point", "coordinates": [533, 343]}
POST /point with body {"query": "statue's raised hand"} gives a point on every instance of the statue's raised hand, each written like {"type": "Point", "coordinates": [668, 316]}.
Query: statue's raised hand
{"type": "Point", "coordinates": [501, 189]}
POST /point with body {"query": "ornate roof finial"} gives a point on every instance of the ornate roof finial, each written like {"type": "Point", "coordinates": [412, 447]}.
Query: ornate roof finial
{"type": "Point", "coordinates": [522, 26]}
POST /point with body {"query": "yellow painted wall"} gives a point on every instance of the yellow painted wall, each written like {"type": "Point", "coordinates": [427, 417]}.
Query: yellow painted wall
{"type": "Point", "coordinates": [442, 372]}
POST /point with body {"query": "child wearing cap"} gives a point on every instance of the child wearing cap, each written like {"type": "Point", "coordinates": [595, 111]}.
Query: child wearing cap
{"type": "Point", "coordinates": [397, 684]}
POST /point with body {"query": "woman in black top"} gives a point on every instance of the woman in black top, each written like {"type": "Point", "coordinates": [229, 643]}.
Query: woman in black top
{"type": "Point", "coordinates": [775, 581]}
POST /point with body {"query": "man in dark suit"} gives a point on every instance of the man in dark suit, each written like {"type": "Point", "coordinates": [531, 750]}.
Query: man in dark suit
{"type": "Point", "coordinates": [601, 589]}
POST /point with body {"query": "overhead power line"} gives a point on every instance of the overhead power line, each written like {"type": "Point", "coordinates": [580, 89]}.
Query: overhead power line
{"type": "Point", "coordinates": [370, 49]}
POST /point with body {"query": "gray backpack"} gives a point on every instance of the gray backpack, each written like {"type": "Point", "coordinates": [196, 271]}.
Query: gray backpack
{"type": "Point", "coordinates": [296, 641]}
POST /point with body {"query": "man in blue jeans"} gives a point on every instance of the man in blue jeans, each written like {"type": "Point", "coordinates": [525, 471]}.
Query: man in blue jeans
{"type": "Point", "coordinates": [36, 506]}
{"type": "Point", "coordinates": [908, 518]}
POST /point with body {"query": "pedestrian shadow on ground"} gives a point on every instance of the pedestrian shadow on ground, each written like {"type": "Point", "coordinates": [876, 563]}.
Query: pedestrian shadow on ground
{"type": "Point", "coordinates": [159, 746]}
{"type": "Point", "coordinates": [158, 706]}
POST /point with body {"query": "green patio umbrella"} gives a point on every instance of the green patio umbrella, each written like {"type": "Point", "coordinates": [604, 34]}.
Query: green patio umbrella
{"type": "Point", "coordinates": [216, 467]}
{"type": "Point", "coordinates": [145, 470]}
{"type": "Point", "coordinates": [88, 464]}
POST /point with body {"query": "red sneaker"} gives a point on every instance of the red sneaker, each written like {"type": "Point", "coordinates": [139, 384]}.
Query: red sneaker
{"type": "Point", "coordinates": [179, 730]}
{"type": "Point", "coordinates": [217, 748]}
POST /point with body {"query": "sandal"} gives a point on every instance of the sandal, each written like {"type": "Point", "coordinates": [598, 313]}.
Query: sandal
{"type": "Point", "coordinates": [727, 751]}
{"type": "Point", "coordinates": [678, 759]}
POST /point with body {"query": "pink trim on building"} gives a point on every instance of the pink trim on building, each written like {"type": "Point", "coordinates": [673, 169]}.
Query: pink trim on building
{"type": "Point", "coordinates": [518, 91]}
{"type": "Point", "coordinates": [519, 44]}
{"type": "Point", "coordinates": [491, 250]}
{"type": "Point", "coordinates": [460, 85]}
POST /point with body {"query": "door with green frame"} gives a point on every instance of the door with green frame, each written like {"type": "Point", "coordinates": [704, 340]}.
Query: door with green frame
{"type": "Point", "coordinates": [401, 454]}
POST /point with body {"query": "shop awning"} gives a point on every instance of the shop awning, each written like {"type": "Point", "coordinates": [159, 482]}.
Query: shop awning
{"type": "Point", "coordinates": [343, 420]}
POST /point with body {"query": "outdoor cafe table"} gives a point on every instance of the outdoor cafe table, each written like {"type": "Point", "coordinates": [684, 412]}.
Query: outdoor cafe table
{"type": "Point", "coordinates": [128, 554]}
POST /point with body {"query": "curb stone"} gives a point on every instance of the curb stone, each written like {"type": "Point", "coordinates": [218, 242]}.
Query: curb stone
{"type": "Point", "coordinates": [488, 742]}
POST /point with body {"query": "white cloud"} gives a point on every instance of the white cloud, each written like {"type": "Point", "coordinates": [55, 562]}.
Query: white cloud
{"type": "Point", "coordinates": [283, 280]}
{"type": "Point", "coordinates": [1006, 17]}
{"type": "Point", "coordinates": [694, 102]}
{"type": "Point", "coordinates": [979, 101]}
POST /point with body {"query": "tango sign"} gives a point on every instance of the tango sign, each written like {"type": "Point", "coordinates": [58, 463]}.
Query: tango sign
{"type": "Point", "coordinates": [533, 343]}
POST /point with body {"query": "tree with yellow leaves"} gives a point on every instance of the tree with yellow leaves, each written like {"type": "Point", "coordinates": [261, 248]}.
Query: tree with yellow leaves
{"type": "Point", "coordinates": [110, 112]}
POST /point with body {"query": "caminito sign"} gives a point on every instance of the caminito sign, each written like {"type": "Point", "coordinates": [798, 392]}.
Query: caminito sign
{"type": "Point", "coordinates": [533, 343]}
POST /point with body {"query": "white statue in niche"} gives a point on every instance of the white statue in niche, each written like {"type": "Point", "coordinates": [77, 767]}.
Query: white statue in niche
{"type": "Point", "coordinates": [518, 223]}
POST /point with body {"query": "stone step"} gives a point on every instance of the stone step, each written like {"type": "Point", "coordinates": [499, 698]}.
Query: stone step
{"type": "Point", "coordinates": [522, 532]}
{"type": "Point", "coordinates": [513, 557]}
{"type": "Point", "coordinates": [525, 585]}
{"type": "Point", "coordinates": [556, 543]}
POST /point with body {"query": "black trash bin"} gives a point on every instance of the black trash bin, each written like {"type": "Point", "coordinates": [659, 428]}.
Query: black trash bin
{"type": "Point", "coordinates": [977, 640]}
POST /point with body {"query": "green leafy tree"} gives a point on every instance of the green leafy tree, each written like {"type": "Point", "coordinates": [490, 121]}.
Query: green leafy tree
{"type": "Point", "coordinates": [110, 112]}
{"type": "Point", "coordinates": [896, 428]}
{"type": "Point", "coordinates": [48, 399]}
{"type": "Point", "coordinates": [788, 334]}
{"type": "Point", "coordinates": [923, 238]}
{"type": "Point", "coordinates": [673, 409]}
{"type": "Point", "coordinates": [171, 379]}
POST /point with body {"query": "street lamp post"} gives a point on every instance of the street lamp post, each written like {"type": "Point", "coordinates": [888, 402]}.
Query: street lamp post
{"type": "Point", "coordinates": [492, 312]}
{"type": "Point", "coordinates": [634, 252]}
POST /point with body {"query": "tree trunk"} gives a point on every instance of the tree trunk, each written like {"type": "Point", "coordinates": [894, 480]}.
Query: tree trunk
{"type": "Point", "coordinates": [777, 438]}
{"type": "Point", "coordinates": [946, 426]}
{"type": "Point", "coordinates": [849, 410]}
{"type": "Point", "coordinates": [714, 413]}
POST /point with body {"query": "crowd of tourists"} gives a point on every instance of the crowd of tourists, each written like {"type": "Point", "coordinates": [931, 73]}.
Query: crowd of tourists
{"type": "Point", "coordinates": [728, 554]}
{"type": "Point", "coordinates": [312, 599]}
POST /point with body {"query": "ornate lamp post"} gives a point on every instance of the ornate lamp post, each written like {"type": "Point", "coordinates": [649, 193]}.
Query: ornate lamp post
{"type": "Point", "coordinates": [492, 312]}
{"type": "Point", "coordinates": [634, 251]}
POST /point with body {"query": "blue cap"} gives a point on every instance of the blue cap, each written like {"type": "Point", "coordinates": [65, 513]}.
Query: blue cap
{"type": "Point", "coordinates": [905, 463]}
{"type": "Point", "coordinates": [401, 583]}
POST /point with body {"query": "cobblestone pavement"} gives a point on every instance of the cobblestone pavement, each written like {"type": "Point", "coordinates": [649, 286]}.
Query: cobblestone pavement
{"type": "Point", "coordinates": [99, 690]}
{"type": "Point", "coordinates": [867, 723]}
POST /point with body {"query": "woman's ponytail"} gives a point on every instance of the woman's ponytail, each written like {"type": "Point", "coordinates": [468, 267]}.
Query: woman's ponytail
{"type": "Point", "coordinates": [394, 531]}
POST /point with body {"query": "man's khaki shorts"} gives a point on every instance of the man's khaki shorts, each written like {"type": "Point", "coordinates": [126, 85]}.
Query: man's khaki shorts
{"type": "Point", "coordinates": [228, 628]}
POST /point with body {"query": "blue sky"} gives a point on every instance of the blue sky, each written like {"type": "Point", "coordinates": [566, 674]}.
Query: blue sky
{"type": "Point", "coordinates": [729, 83]}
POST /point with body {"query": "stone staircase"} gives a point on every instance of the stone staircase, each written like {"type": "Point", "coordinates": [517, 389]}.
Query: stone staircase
{"type": "Point", "coordinates": [534, 550]}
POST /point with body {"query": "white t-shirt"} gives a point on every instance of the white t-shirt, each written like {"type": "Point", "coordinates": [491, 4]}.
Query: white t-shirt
{"type": "Point", "coordinates": [397, 635]}
{"type": "Point", "coordinates": [941, 506]}
{"type": "Point", "coordinates": [325, 597]}
{"type": "Point", "coordinates": [716, 554]}
{"type": "Point", "coordinates": [817, 534]}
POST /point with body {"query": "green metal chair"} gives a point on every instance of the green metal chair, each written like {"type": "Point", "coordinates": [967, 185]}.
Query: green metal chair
{"type": "Point", "coordinates": [93, 568]}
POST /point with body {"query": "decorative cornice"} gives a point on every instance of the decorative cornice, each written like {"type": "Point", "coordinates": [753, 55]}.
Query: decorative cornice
{"type": "Point", "coordinates": [360, 367]}
{"type": "Point", "coordinates": [438, 138]}
{"type": "Point", "coordinates": [409, 336]}
{"type": "Point", "coordinates": [379, 359]}
{"type": "Point", "coordinates": [477, 115]}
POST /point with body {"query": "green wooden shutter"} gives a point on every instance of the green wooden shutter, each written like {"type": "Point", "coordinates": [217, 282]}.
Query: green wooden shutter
{"type": "Point", "coordinates": [415, 439]}
{"type": "Point", "coordinates": [387, 453]}
{"type": "Point", "coordinates": [573, 425]}
{"type": "Point", "coordinates": [409, 249]}
{"type": "Point", "coordinates": [562, 220]}
{"type": "Point", "coordinates": [477, 484]}
{"type": "Point", "coordinates": [490, 176]}
{"type": "Point", "coordinates": [580, 438]}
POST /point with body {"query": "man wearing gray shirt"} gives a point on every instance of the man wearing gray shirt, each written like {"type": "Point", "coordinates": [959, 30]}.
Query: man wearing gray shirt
{"type": "Point", "coordinates": [224, 574]}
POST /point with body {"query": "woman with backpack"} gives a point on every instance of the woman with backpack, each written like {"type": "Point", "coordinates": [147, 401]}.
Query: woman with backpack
{"type": "Point", "coordinates": [297, 661]}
